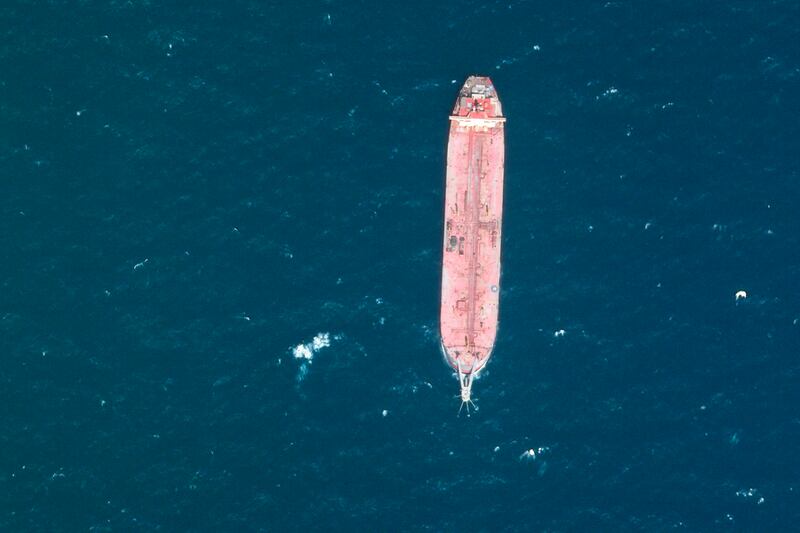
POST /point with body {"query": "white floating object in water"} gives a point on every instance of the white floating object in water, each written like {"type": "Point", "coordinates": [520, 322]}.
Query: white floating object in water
{"type": "Point", "coordinates": [528, 455]}
{"type": "Point", "coordinates": [385, 412]}
{"type": "Point", "coordinates": [559, 333]}
{"type": "Point", "coordinates": [307, 350]}
{"type": "Point", "coordinates": [321, 340]}
{"type": "Point", "coordinates": [301, 351]}
{"type": "Point", "coordinates": [741, 295]}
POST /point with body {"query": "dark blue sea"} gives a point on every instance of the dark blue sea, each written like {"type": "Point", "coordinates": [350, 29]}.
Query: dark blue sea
{"type": "Point", "coordinates": [220, 226]}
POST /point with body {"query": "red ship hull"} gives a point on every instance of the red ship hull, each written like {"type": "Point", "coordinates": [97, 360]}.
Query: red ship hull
{"type": "Point", "coordinates": [472, 230]}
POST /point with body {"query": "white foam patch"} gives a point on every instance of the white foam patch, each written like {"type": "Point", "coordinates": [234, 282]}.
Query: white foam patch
{"type": "Point", "coordinates": [751, 494]}
{"type": "Point", "coordinates": [301, 351]}
{"type": "Point", "coordinates": [308, 350]}
{"type": "Point", "coordinates": [301, 373]}
{"type": "Point", "coordinates": [320, 341]}
{"type": "Point", "coordinates": [532, 454]}
{"type": "Point", "coordinates": [530, 49]}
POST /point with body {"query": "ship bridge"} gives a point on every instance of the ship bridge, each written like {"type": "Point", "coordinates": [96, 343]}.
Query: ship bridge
{"type": "Point", "coordinates": [477, 104]}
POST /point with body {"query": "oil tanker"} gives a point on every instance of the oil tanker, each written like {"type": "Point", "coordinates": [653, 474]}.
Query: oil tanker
{"type": "Point", "coordinates": [473, 214]}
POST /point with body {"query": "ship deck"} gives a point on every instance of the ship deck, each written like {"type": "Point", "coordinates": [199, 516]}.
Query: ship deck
{"type": "Point", "coordinates": [473, 216]}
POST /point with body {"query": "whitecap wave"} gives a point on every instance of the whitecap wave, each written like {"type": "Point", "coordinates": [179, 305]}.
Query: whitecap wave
{"type": "Point", "coordinates": [307, 350]}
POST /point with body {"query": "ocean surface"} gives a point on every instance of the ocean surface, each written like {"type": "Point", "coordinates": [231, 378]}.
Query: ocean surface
{"type": "Point", "coordinates": [220, 226]}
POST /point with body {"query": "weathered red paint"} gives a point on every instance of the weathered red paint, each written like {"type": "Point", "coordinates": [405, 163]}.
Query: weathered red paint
{"type": "Point", "coordinates": [472, 228]}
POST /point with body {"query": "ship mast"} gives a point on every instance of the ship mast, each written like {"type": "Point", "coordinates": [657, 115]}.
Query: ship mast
{"type": "Point", "coordinates": [465, 380]}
